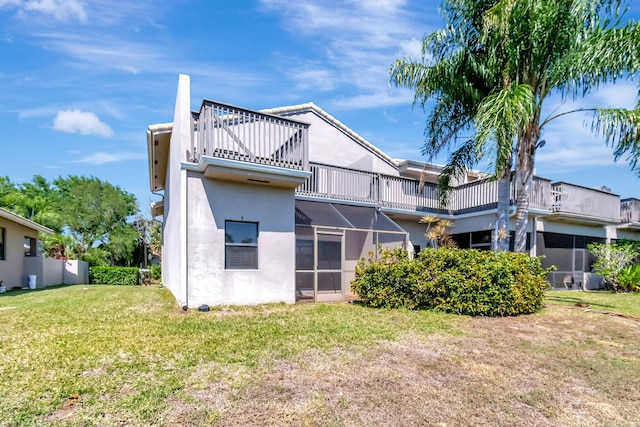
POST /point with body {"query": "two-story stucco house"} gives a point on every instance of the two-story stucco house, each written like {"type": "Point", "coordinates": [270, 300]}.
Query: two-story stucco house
{"type": "Point", "coordinates": [280, 204]}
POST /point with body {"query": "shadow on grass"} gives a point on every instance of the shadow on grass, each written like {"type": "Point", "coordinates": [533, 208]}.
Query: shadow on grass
{"type": "Point", "coordinates": [571, 300]}
{"type": "Point", "coordinates": [17, 292]}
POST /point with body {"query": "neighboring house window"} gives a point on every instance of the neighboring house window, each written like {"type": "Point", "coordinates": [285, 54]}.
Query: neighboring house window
{"type": "Point", "coordinates": [30, 248]}
{"type": "Point", "coordinates": [2, 237]}
{"type": "Point", "coordinates": [241, 245]}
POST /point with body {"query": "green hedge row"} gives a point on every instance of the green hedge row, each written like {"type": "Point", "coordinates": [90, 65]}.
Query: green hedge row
{"type": "Point", "coordinates": [114, 275]}
{"type": "Point", "coordinates": [462, 281]}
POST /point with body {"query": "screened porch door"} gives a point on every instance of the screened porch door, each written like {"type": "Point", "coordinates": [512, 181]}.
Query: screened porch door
{"type": "Point", "coordinates": [329, 249]}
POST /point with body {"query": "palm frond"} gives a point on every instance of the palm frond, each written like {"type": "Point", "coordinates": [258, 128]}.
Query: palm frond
{"type": "Point", "coordinates": [604, 56]}
{"type": "Point", "coordinates": [621, 130]}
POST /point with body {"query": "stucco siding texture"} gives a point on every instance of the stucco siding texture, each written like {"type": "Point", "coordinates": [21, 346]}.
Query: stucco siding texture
{"type": "Point", "coordinates": [329, 145]}
{"type": "Point", "coordinates": [211, 203]}
{"type": "Point", "coordinates": [12, 267]}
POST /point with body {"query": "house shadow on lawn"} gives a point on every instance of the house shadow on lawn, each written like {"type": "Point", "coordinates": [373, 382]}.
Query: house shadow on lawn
{"type": "Point", "coordinates": [577, 301]}
{"type": "Point", "coordinates": [22, 291]}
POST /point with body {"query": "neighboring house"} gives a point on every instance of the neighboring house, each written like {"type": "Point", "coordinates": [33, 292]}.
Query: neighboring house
{"type": "Point", "coordinates": [20, 256]}
{"type": "Point", "coordinates": [280, 204]}
{"type": "Point", "coordinates": [18, 245]}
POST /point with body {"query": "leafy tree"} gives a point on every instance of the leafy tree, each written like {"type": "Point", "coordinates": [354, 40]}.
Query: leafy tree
{"type": "Point", "coordinates": [611, 260]}
{"type": "Point", "coordinates": [95, 213]}
{"type": "Point", "coordinates": [123, 240]}
{"type": "Point", "coordinates": [155, 237]}
{"type": "Point", "coordinates": [96, 256]}
{"type": "Point", "coordinates": [60, 246]}
{"type": "Point", "coordinates": [36, 200]}
{"type": "Point", "coordinates": [89, 216]}
{"type": "Point", "coordinates": [6, 187]}
{"type": "Point", "coordinates": [537, 47]}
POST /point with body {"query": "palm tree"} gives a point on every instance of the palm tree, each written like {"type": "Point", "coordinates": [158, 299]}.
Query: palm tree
{"type": "Point", "coordinates": [459, 78]}
{"type": "Point", "coordinates": [540, 47]}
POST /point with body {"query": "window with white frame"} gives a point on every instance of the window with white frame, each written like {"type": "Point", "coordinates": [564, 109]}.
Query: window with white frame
{"type": "Point", "coordinates": [241, 245]}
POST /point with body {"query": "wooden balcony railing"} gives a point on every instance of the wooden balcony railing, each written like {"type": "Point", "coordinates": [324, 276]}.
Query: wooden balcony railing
{"type": "Point", "coordinates": [228, 132]}
{"type": "Point", "coordinates": [630, 210]}
{"type": "Point", "coordinates": [331, 182]}
{"type": "Point", "coordinates": [574, 199]}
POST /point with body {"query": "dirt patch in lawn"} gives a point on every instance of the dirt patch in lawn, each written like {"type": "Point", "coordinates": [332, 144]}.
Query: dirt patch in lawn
{"type": "Point", "coordinates": [565, 367]}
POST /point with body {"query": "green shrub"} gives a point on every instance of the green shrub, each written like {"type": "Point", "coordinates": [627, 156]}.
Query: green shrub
{"type": "Point", "coordinates": [612, 258]}
{"type": "Point", "coordinates": [156, 271]}
{"type": "Point", "coordinates": [463, 281]}
{"type": "Point", "coordinates": [389, 281]}
{"type": "Point", "coordinates": [114, 275]}
{"type": "Point", "coordinates": [629, 278]}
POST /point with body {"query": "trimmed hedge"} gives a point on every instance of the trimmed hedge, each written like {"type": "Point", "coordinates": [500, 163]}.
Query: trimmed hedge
{"type": "Point", "coordinates": [462, 281]}
{"type": "Point", "coordinates": [101, 275]}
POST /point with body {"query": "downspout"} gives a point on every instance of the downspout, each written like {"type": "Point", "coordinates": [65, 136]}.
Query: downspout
{"type": "Point", "coordinates": [184, 240]}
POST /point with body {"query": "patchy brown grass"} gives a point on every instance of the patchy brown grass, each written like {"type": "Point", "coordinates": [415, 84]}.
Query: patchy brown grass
{"type": "Point", "coordinates": [133, 359]}
{"type": "Point", "coordinates": [561, 367]}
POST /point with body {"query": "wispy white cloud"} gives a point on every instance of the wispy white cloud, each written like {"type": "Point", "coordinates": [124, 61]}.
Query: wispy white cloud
{"type": "Point", "coordinates": [129, 69]}
{"type": "Point", "coordinates": [356, 42]}
{"type": "Point", "coordinates": [102, 157]}
{"type": "Point", "coordinates": [371, 100]}
{"type": "Point", "coordinates": [104, 51]}
{"type": "Point", "coordinates": [61, 10]}
{"type": "Point", "coordinates": [82, 122]}
{"type": "Point", "coordinates": [314, 78]}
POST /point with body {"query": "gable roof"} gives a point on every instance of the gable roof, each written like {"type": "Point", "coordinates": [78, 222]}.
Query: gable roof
{"type": "Point", "coordinates": [310, 106]}
{"type": "Point", "coordinates": [24, 221]}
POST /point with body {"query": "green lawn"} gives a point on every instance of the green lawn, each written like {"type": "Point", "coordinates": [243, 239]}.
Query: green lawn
{"type": "Point", "coordinates": [598, 300]}
{"type": "Point", "coordinates": [133, 358]}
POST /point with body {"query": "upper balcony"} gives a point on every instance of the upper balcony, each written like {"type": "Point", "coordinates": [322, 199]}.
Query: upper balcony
{"type": "Point", "coordinates": [630, 211]}
{"type": "Point", "coordinates": [408, 195]}
{"type": "Point", "coordinates": [577, 203]}
{"type": "Point", "coordinates": [236, 144]}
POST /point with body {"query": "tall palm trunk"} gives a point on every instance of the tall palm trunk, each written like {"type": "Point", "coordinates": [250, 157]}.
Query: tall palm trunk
{"type": "Point", "coordinates": [526, 150]}
{"type": "Point", "coordinates": [504, 200]}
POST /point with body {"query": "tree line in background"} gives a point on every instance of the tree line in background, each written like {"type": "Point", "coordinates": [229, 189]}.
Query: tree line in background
{"type": "Point", "coordinates": [92, 219]}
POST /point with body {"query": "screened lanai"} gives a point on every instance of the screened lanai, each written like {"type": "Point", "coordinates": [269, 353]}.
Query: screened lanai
{"type": "Point", "coordinates": [330, 239]}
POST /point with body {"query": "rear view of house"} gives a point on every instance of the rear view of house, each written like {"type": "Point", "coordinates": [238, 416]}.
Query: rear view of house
{"type": "Point", "coordinates": [280, 204]}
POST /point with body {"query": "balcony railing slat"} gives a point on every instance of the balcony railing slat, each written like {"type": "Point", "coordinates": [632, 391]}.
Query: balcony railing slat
{"type": "Point", "coordinates": [630, 210]}
{"type": "Point", "coordinates": [331, 182]}
{"type": "Point", "coordinates": [238, 134]}
{"type": "Point", "coordinates": [574, 199]}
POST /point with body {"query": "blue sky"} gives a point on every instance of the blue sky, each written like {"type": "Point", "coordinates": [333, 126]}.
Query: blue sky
{"type": "Point", "coordinates": [81, 80]}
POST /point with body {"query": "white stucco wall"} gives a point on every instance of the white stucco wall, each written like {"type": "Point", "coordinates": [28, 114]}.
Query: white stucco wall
{"type": "Point", "coordinates": [563, 227]}
{"type": "Point", "coordinates": [211, 202]}
{"type": "Point", "coordinates": [52, 272]}
{"type": "Point", "coordinates": [75, 272]}
{"type": "Point", "coordinates": [415, 230]}
{"type": "Point", "coordinates": [331, 146]}
{"type": "Point", "coordinates": [174, 225]}
{"type": "Point", "coordinates": [627, 234]}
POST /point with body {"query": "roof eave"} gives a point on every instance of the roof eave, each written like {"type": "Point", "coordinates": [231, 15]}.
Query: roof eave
{"type": "Point", "coordinates": [24, 221]}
